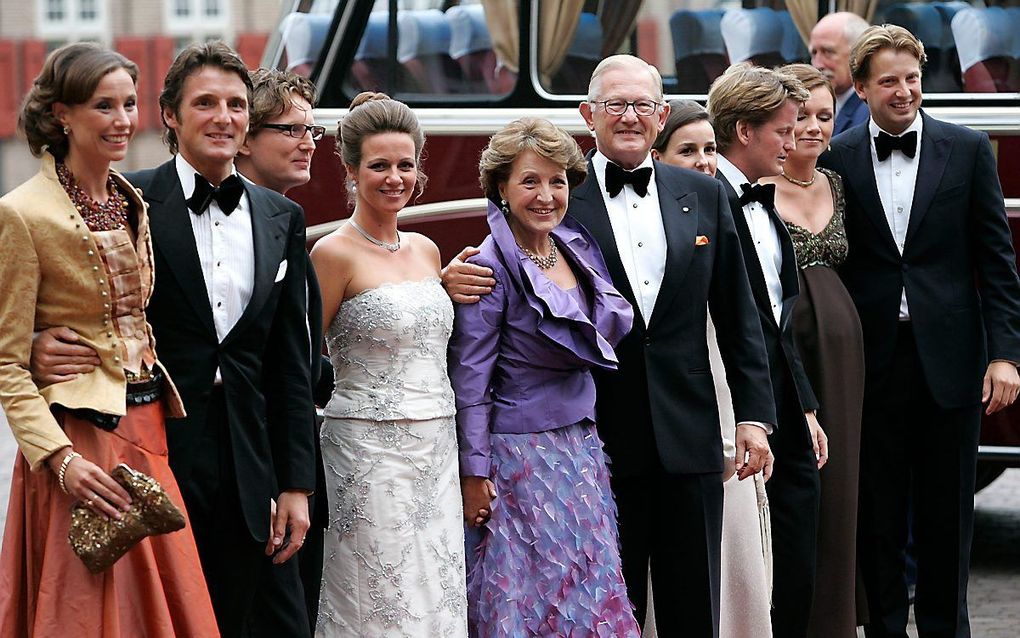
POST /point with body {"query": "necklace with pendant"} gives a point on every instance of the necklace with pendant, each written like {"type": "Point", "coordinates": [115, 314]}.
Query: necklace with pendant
{"type": "Point", "coordinates": [800, 182]}
{"type": "Point", "coordinates": [545, 263]}
{"type": "Point", "coordinates": [392, 247]}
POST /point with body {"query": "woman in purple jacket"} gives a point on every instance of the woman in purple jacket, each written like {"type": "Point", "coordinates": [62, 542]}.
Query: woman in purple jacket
{"type": "Point", "coordinates": [533, 473]}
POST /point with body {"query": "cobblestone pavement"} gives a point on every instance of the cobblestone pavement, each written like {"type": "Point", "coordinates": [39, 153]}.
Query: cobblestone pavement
{"type": "Point", "coordinates": [995, 580]}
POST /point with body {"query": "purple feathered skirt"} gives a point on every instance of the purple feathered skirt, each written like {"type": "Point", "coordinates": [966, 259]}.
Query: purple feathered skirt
{"type": "Point", "coordinates": [548, 563]}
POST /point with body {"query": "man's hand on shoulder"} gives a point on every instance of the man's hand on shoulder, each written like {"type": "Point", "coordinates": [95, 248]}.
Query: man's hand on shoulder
{"type": "Point", "coordinates": [58, 356]}
{"type": "Point", "coordinates": [464, 282]}
{"type": "Point", "coordinates": [1001, 386]}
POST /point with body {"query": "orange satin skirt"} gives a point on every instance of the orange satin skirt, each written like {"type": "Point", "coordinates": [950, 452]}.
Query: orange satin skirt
{"type": "Point", "coordinates": [155, 590]}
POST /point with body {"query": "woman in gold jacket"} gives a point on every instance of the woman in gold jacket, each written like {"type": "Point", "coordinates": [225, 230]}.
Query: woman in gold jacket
{"type": "Point", "coordinates": [75, 251]}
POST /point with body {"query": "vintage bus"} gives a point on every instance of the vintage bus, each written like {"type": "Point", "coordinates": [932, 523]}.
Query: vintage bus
{"type": "Point", "coordinates": [469, 67]}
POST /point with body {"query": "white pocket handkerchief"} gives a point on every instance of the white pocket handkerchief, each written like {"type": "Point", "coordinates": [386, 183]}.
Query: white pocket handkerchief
{"type": "Point", "coordinates": [281, 272]}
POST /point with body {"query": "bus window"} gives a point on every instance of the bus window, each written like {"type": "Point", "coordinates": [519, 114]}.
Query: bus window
{"type": "Point", "coordinates": [442, 49]}
{"type": "Point", "coordinates": [972, 47]}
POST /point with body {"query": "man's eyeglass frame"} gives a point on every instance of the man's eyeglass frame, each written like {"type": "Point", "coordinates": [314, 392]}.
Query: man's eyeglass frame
{"type": "Point", "coordinates": [298, 130]}
{"type": "Point", "coordinates": [654, 107]}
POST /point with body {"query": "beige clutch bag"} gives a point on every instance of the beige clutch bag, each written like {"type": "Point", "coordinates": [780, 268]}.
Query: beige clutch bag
{"type": "Point", "coordinates": [100, 541]}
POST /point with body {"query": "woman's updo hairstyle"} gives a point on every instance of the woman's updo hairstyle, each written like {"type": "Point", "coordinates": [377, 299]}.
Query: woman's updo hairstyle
{"type": "Point", "coordinates": [370, 114]}
{"type": "Point", "coordinates": [529, 134]}
{"type": "Point", "coordinates": [70, 76]}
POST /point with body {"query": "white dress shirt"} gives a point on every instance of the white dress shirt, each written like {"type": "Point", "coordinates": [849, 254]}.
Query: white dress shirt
{"type": "Point", "coordinates": [640, 236]}
{"type": "Point", "coordinates": [226, 252]}
{"type": "Point", "coordinates": [763, 234]}
{"type": "Point", "coordinates": [895, 179]}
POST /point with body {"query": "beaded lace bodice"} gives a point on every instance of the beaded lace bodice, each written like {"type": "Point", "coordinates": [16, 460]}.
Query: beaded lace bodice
{"type": "Point", "coordinates": [388, 349]}
{"type": "Point", "coordinates": [828, 247]}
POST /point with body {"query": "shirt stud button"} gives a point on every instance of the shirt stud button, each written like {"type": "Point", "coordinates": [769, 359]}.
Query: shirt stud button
{"type": "Point", "coordinates": [640, 244]}
{"type": "Point", "coordinates": [646, 282]}
{"type": "Point", "coordinates": [634, 205]}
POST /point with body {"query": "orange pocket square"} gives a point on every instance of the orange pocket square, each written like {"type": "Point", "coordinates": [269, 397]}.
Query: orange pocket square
{"type": "Point", "coordinates": [701, 240]}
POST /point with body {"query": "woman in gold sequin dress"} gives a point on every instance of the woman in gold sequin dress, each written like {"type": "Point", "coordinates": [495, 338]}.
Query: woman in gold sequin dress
{"type": "Point", "coordinates": [75, 251]}
{"type": "Point", "coordinates": [828, 334]}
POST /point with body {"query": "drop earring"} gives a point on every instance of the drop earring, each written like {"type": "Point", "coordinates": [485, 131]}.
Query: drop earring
{"type": "Point", "coordinates": [504, 208]}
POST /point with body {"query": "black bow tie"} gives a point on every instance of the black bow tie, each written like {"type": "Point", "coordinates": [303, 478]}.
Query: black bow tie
{"type": "Point", "coordinates": [227, 194]}
{"type": "Point", "coordinates": [885, 144]}
{"type": "Point", "coordinates": [764, 194]}
{"type": "Point", "coordinates": [616, 177]}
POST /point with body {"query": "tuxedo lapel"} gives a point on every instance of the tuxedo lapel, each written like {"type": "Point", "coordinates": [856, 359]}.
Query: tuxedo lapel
{"type": "Point", "coordinates": [174, 240]}
{"type": "Point", "coordinates": [680, 221]}
{"type": "Point", "coordinates": [934, 155]}
{"type": "Point", "coordinates": [755, 276]}
{"type": "Point", "coordinates": [269, 227]}
{"type": "Point", "coordinates": [861, 175]}
{"type": "Point", "coordinates": [588, 207]}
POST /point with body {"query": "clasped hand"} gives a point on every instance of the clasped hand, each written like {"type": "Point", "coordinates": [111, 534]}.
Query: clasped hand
{"type": "Point", "coordinates": [478, 493]}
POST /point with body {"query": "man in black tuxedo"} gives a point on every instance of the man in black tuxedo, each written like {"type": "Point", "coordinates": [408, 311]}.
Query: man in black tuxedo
{"type": "Point", "coordinates": [754, 111]}
{"type": "Point", "coordinates": [669, 243]}
{"type": "Point", "coordinates": [230, 261]}
{"type": "Point", "coordinates": [932, 272]}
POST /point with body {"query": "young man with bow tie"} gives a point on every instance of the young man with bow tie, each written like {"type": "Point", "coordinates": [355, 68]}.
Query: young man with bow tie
{"type": "Point", "coordinates": [230, 261]}
{"type": "Point", "coordinates": [932, 272]}
{"type": "Point", "coordinates": [754, 111]}
{"type": "Point", "coordinates": [671, 249]}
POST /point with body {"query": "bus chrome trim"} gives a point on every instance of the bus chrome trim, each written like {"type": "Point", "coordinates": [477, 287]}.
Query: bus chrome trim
{"type": "Point", "coordinates": [1013, 206]}
{"type": "Point", "coordinates": [999, 453]}
{"type": "Point", "coordinates": [433, 212]}
{"type": "Point", "coordinates": [453, 121]}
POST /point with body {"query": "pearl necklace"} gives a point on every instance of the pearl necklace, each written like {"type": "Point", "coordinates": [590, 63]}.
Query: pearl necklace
{"type": "Point", "coordinates": [800, 182]}
{"type": "Point", "coordinates": [394, 247]}
{"type": "Point", "coordinates": [545, 263]}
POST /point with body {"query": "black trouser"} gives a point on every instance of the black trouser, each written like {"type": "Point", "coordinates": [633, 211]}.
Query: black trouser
{"type": "Point", "coordinates": [251, 596]}
{"type": "Point", "coordinates": [672, 523]}
{"type": "Point", "coordinates": [914, 450]}
{"type": "Point", "coordinates": [793, 492]}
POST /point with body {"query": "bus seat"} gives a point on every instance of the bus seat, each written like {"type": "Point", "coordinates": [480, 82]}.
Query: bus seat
{"type": "Point", "coordinates": [303, 36]}
{"type": "Point", "coordinates": [424, 50]}
{"type": "Point", "coordinates": [793, 48]}
{"type": "Point", "coordinates": [471, 47]}
{"type": "Point", "coordinates": [941, 74]}
{"type": "Point", "coordinates": [698, 49]}
{"type": "Point", "coordinates": [753, 35]}
{"type": "Point", "coordinates": [985, 43]}
{"type": "Point", "coordinates": [582, 57]}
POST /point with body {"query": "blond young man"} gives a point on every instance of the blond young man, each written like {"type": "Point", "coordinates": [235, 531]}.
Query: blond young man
{"type": "Point", "coordinates": [932, 272]}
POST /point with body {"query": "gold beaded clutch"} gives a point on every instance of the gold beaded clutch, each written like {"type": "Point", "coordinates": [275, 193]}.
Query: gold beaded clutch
{"type": "Point", "coordinates": [100, 541]}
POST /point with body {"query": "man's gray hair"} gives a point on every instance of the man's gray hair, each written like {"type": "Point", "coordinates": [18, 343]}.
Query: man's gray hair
{"type": "Point", "coordinates": [854, 27]}
{"type": "Point", "coordinates": [619, 62]}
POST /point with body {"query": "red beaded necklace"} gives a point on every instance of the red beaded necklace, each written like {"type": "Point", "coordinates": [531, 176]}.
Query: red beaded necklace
{"type": "Point", "coordinates": [109, 215]}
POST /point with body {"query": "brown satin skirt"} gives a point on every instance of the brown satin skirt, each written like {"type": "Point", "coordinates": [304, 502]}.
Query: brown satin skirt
{"type": "Point", "coordinates": [828, 335]}
{"type": "Point", "coordinates": [156, 590]}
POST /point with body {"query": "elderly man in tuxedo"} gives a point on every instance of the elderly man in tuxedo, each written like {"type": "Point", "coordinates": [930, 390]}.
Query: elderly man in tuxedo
{"type": "Point", "coordinates": [829, 46]}
{"type": "Point", "coordinates": [669, 242]}
{"type": "Point", "coordinates": [229, 314]}
{"type": "Point", "coordinates": [932, 272]}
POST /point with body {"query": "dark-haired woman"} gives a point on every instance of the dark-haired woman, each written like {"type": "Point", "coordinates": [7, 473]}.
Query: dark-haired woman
{"type": "Point", "coordinates": [394, 546]}
{"type": "Point", "coordinates": [75, 251]}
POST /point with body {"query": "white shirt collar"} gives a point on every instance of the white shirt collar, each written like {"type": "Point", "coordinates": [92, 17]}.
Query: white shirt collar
{"type": "Point", "coordinates": [916, 125]}
{"type": "Point", "coordinates": [732, 174]}
{"type": "Point", "coordinates": [600, 161]}
{"type": "Point", "coordinates": [186, 175]}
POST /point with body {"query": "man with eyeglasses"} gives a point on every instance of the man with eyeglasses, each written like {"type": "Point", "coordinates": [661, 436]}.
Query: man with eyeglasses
{"type": "Point", "coordinates": [672, 250]}
{"type": "Point", "coordinates": [277, 154]}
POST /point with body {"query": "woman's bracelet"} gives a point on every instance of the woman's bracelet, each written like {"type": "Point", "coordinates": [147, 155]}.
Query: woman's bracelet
{"type": "Point", "coordinates": [63, 470]}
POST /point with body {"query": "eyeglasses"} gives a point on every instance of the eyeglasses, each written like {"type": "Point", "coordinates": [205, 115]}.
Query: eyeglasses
{"type": "Point", "coordinates": [298, 130]}
{"type": "Point", "coordinates": [643, 108]}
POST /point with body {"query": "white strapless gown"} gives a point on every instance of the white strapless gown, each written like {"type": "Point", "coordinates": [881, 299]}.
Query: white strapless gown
{"type": "Point", "coordinates": [394, 548]}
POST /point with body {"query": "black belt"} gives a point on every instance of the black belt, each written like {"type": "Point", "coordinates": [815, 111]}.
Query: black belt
{"type": "Point", "coordinates": [139, 393]}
